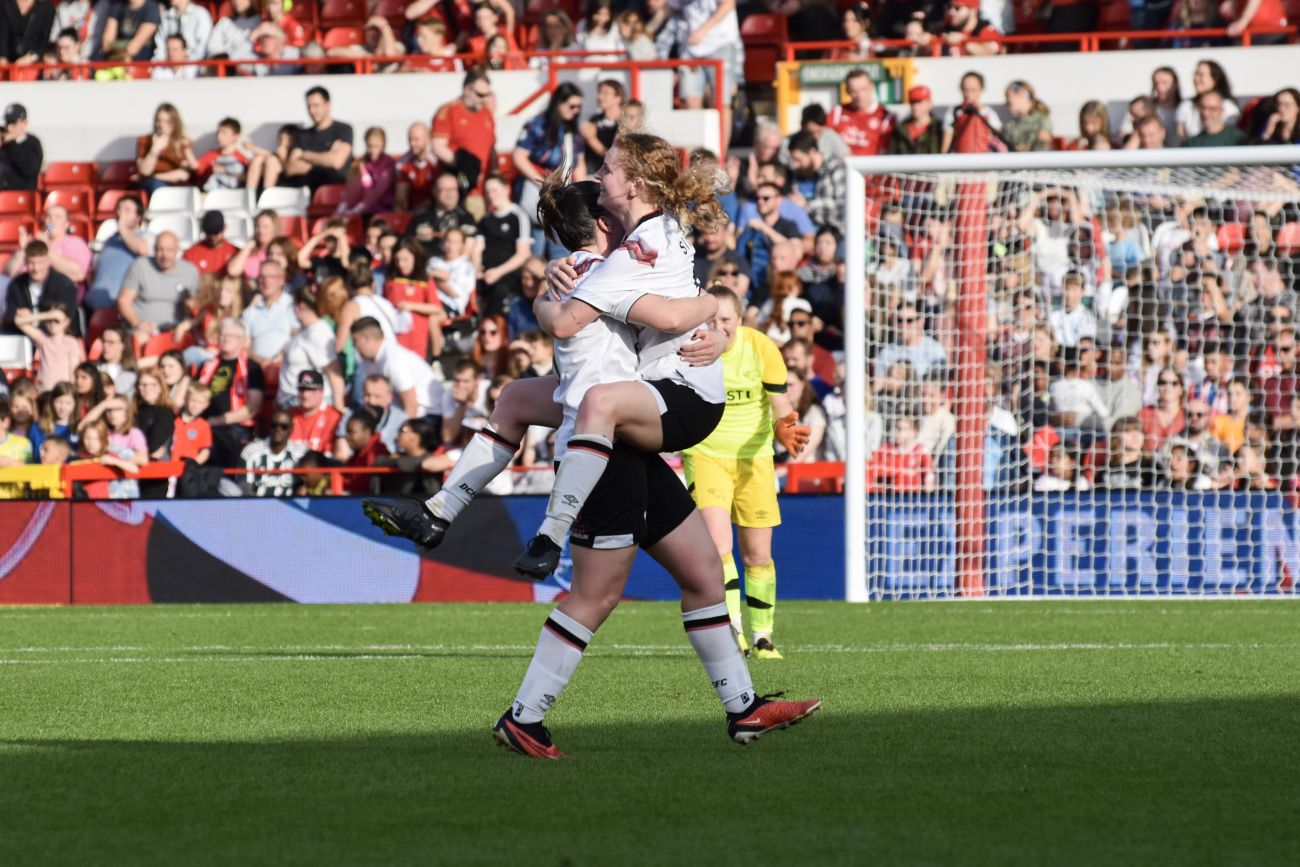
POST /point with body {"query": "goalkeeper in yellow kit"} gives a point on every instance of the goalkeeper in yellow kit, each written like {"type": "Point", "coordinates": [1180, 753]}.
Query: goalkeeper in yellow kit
{"type": "Point", "coordinates": [731, 474]}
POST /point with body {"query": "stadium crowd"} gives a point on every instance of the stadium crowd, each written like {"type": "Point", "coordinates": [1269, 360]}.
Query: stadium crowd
{"type": "Point", "coordinates": [371, 321]}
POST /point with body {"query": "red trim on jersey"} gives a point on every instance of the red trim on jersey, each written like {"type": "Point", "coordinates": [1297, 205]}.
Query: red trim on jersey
{"type": "Point", "coordinates": [641, 253]}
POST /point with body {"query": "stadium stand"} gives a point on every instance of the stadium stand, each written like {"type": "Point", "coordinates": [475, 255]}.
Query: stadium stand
{"type": "Point", "coordinates": [1193, 307]}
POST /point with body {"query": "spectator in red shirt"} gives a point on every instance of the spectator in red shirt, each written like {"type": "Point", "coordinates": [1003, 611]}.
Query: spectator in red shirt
{"type": "Point", "coordinates": [1165, 419]}
{"type": "Point", "coordinates": [1279, 388]}
{"type": "Point", "coordinates": [212, 252]}
{"type": "Point", "coordinates": [901, 465]}
{"type": "Point", "coordinates": [465, 133]}
{"type": "Point", "coordinates": [295, 32]}
{"type": "Point", "coordinates": [366, 447]}
{"type": "Point", "coordinates": [314, 422]}
{"type": "Point", "coordinates": [225, 167]}
{"type": "Point", "coordinates": [409, 289]}
{"type": "Point", "coordinates": [192, 436]}
{"type": "Point", "coordinates": [416, 170]}
{"type": "Point", "coordinates": [864, 124]}
{"type": "Point", "coordinates": [965, 32]}
{"type": "Point", "coordinates": [491, 18]}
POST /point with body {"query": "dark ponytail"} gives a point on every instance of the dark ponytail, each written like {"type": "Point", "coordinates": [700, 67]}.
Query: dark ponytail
{"type": "Point", "coordinates": [568, 212]}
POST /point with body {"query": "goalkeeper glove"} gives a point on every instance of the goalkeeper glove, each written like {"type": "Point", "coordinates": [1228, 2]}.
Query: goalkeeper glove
{"type": "Point", "coordinates": [792, 435]}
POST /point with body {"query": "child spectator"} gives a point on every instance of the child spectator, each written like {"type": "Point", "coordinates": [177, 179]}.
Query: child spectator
{"type": "Point", "coordinates": [370, 190]}
{"type": "Point", "coordinates": [1230, 428]}
{"type": "Point", "coordinates": [94, 449]}
{"type": "Point", "coordinates": [125, 440]}
{"type": "Point", "coordinates": [1072, 322]}
{"type": "Point", "coordinates": [1030, 126]}
{"type": "Point", "coordinates": [901, 465]}
{"type": "Point", "coordinates": [1062, 473]}
{"type": "Point", "coordinates": [453, 272]}
{"type": "Point", "coordinates": [1127, 466]}
{"type": "Point", "coordinates": [15, 451]}
{"type": "Point", "coordinates": [192, 436]}
{"type": "Point", "coordinates": [22, 405]}
{"type": "Point", "coordinates": [87, 388]}
{"type": "Point", "coordinates": [226, 166]}
{"type": "Point", "coordinates": [366, 448]}
{"type": "Point", "coordinates": [409, 290]}
{"type": "Point", "coordinates": [59, 352]}
{"type": "Point", "coordinates": [55, 451]}
{"type": "Point", "coordinates": [55, 417]}
{"type": "Point", "coordinates": [1183, 470]}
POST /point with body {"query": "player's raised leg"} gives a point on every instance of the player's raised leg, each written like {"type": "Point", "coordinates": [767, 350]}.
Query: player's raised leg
{"type": "Point", "coordinates": [489, 452]}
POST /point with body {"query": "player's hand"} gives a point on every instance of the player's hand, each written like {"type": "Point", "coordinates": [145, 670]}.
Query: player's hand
{"type": "Point", "coordinates": [705, 347]}
{"type": "Point", "coordinates": [792, 435]}
{"type": "Point", "coordinates": [561, 277]}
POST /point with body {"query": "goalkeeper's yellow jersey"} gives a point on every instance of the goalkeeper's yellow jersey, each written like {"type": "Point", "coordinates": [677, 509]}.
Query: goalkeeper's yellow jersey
{"type": "Point", "coordinates": [751, 369]}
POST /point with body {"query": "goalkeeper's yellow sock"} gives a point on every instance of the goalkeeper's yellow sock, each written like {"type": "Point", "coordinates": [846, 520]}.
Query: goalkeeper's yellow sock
{"type": "Point", "coordinates": [731, 582]}
{"type": "Point", "coordinates": [760, 598]}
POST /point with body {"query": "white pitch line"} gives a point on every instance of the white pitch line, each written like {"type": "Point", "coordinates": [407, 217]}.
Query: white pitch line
{"type": "Point", "coordinates": [412, 652]}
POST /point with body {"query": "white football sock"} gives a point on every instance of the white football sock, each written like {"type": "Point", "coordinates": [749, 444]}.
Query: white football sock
{"type": "Point", "coordinates": [583, 465]}
{"type": "Point", "coordinates": [559, 650]}
{"type": "Point", "coordinates": [486, 456]}
{"type": "Point", "coordinates": [709, 630]}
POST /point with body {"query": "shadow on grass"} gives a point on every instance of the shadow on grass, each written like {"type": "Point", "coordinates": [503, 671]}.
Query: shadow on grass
{"type": "Point", "coordinates": [1163, 783]}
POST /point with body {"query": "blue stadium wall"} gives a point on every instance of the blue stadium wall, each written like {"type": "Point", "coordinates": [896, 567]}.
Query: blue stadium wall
{"type": "Point", "coordinates": [324, 550]}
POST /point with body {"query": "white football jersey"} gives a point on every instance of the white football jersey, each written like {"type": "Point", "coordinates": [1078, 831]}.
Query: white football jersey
{"type": "Point", "coordinates": [656, 258]}
{"type": "Point", "coordinates": [603, 351]}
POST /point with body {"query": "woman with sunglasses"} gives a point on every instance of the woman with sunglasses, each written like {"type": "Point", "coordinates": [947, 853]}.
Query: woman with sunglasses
{"type": "Point", "coordinates": [491, 348]}
{"type": "Point", "coordinates": [641, 502]}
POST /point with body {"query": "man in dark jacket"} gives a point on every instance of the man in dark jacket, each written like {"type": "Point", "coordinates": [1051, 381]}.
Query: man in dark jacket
{"type": "Point", "coordinates": [21, 154]}
{"type": "Point", "coordinates": [921, 133]}
{"type": "Point", "coordinates": [39, 288]}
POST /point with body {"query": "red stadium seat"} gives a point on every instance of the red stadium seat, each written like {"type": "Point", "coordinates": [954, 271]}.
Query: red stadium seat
{"type": "Point", "coordinates": [326, 200]}
{"type": "Point", "coordinates": [107, 207]}
{"type": "Point", "coordinates": [394, 11]}
{"type": "Point", "coordinates": [80, 226]}
{"type": "Point", "coordinates": [825, 477]}
{"type": "Point", "coordinates": [294, 227]}
{"type": "Point", "coordinates": [342, 37]}
{"type": "Point", "coordinates": [506, 167]}
{"type": "Point", "coordinates": [343, 13]}
{"type": "Point", "coordinates": [1288, 238]}
{"type": "Point", "coordinates": [76, 201]}
{"type": "Point", "coordinates": [1232, 237]}
{"type": "Point", "coordinates": [100, 321]}
{"type": "Point", "coordinates": [764, 37]}
{"type": "Point", "coordinates": [1114, 16]}
{"type": "Point", "coordinates": [17, 203]}
{"type": "Point", "coordinates": [9, 235]}
{"type": "Point", "coordinates": [396, 221]}
{"type": "Point", "coordinates": [115, 175]}
{"type": "Point", "coordinates": [75, 175]}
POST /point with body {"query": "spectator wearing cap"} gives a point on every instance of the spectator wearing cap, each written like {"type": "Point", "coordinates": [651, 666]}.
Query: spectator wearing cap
{"type": "Point", "coordinates": [802, 324]}
{"type": "Point", "coordinates": [314, 421]}
{"type": "Point", "coordinates": [865, 125]}
{"type": "Point", "coordinates": [118, 254]}
{"type": "Point", "coordinates": [21, 153]}
{"type": "Point", "coordinates": [40, 288]}
{"type": "Point", "coordinates": [966, 32]}
{"type": "Point", "coordinates": [25, 33]}
{"type": "Point", "coordinates": [464, 132]}
{"type": "Point", "coordinates": [921, 132]}
{"type": "Point", "coordinates": [155, 286]}
{"type": "Point", "coordinates": [413, 381]}
{"type": "Point", "coordinates": [212, 252]}
{"type": "Point", "coordinates": [830, 182]}
{"type": "Point", "coordinates": [269, 317]}
{"type": "Point", "coordinates": [1214, 131]}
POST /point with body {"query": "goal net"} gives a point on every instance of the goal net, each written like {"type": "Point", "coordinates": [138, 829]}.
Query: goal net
{"type": "Point", "coordinates": [1073, 374]}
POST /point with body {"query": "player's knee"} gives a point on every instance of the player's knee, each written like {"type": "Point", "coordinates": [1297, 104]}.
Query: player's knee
{"type": "Point", "coordinates": [756, 560]}
{"type": "Point", "coordinates": [600, 404]}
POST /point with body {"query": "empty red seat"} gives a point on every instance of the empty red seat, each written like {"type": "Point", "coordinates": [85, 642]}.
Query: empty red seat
{"type": "Point", "coordinates": [77, 175]}
{"type": "Point", "coordinates": [18, 203]}
{"type": "Point", "coordinates": [392, 10]}
{"type": "Point", "coordinates": [763, 30]}
{"type": "Point", "coordinates": [342, 37]}
{"type": "Point", "coordinates": [115, 175]}
{"type": "Point", "coordinates": [1288, 238]}
{"type": "Point", "coordinates": [326, 200]}
{"type": "Point", "coordinates": [294, 227]}
{"type": "Point", "coordinates": [343, 13]}
{"type": "Point", "coordinates": [76, 201]}
{"type": "Point", "coordinates": [824, 477]}
{"type": "Point", "coordinates": [1232, 237]}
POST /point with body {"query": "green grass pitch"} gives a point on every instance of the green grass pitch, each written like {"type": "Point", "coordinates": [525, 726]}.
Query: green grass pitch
{"type": "Point", "coordinates": [1143, 732]}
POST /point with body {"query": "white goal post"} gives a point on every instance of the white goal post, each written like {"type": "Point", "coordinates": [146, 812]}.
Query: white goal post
{"type": "Point", "coordinates": [975, 197]}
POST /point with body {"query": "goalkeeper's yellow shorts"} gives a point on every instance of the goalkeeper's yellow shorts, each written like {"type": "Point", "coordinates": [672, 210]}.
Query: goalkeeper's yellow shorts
{"type": "Point", "coordinates": [744, 487]}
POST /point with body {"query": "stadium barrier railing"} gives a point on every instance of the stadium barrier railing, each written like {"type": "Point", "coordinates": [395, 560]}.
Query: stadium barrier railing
{"type": "Point", "coordinates": [1082, 42]}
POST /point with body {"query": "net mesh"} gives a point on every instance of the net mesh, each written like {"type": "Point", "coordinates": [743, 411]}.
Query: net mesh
{"type": "Point", "coordinates": [1081, 382]}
